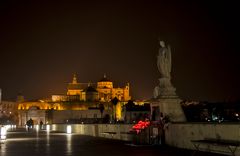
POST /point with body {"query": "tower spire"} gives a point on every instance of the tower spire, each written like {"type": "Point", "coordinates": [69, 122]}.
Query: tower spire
{"type": "Point", "coordinates": [74, 79]}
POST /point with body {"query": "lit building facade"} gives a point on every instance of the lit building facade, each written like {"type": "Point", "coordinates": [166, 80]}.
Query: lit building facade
{"type": "Point", "coordinates": [107, 91]}
{"type": "Point", "coordinates": [75, 88]}
{"type": "Point", "coordinates": [8, 109]}
{"type": "Point", "coordinates": [82, 97]}
{"type": "Point", "coordinates": [104, 91]}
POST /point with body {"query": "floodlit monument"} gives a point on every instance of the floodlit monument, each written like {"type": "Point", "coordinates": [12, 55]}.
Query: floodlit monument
{"type": "Point", "coordinates": [81, 99]}
{"type": "Point", "coordinates": [165, 101]}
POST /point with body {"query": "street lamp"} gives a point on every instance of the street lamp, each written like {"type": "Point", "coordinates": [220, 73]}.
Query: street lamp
{"type": "Point", "coordinates": [48, 128]}
{"type": "Point", "coordinates": [69, 129]}
{"type": "Point", "coordinates": [3, 133]}
{"type": "Point", "coordinates": [37, 127]}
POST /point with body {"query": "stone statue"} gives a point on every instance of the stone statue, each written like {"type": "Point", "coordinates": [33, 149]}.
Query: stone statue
{"type": "Point", "coordinates": [164, 60]}
{"type": "Point", "coordinates": [165, 101]}
{"type": "Point", "coordinates": [165, 88]}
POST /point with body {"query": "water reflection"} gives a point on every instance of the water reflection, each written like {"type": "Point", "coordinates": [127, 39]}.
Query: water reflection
{"type": "Point", "coordinates": [48, 142]}
{"type": "Point", "coordinates": [69, 144]}
{"type": "Point", "coordinates": [2, 148]}
{"type": "Point", "coordinates": [37, 141]}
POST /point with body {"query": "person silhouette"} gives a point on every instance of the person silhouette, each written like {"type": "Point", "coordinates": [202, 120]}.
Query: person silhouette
{"type": "Point", "coordinates": [31, 123]}
{"type": "Point", "coordinates": [41, 124]}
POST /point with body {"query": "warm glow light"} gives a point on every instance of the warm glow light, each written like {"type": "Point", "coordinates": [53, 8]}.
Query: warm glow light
{"type": "Point", "coordinates": [3, 133]}
{"type": "Point", "coordinates": [8, 127]}
{"type": "Point", "coordinates": [69, 129]}
{"type": "Point", "coordinates": [119, 111]}
{"type": "Point", "coordinates": [140, 126]}
{"type": "Point", "coordinates": [54, 127]}
{"type": "Point", "coordinates": [37, 127]}
{"type": "Point", "coordinates": [13, 126]}
{"type": "Point", "coordinates": [48, 128]}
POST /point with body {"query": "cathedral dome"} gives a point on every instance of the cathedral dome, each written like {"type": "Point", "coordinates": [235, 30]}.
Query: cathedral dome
{"type": "Point", "coordinates": [104, 83]}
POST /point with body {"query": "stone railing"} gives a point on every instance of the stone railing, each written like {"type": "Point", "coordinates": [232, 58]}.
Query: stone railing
{"type": "Point", "coordinates": [181, 134]}
{"type": "Point", "coordinates": [113, 131]}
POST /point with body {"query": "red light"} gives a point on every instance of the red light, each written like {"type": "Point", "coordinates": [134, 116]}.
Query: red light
{"type": "Point", "coordinates": [140, 126]}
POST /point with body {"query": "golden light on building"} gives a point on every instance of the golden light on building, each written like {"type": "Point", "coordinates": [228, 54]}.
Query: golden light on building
{"type": "Point", "coordinates": [108, 92]}
{"type": "Point", "coordinates": [79, 97]}
{"type": "Point", "coordinates": [118, 111]}
{"type": "Point", "coordinates": [103, 91]}
{"type": "Point", "coordinates": [39, 105]}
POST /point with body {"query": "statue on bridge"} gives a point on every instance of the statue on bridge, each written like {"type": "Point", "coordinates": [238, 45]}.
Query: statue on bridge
{"type": "Point", "coordinates": [164, 60]}
{"type": "Point", "coordinates": [164, 64]}
{"type": "Point", "coordinates": [165, 101]}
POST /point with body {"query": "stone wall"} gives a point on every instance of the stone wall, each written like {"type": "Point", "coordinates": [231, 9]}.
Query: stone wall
{"type": "Point", "coordinates": [177, 134]}
{"type": "Point", "coordinates": [61, 116]}
{"type": "Point", "coordinates": [113, 131]}
{"type": "Point", "coordinates": [181, 134]}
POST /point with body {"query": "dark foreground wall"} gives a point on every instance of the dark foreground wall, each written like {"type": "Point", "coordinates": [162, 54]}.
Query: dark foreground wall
{"type": "Point", "coordinates": [181, 134]}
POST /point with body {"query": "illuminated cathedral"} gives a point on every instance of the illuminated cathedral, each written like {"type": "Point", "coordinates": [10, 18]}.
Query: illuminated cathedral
{"type": "Point", "coordinates": [82, 99]}
{"type": "Point", "coordinates": [102, 91]}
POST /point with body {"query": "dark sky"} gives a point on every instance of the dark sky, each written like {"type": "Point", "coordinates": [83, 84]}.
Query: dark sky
{"type": "Point", "coordinates": [42, 44]}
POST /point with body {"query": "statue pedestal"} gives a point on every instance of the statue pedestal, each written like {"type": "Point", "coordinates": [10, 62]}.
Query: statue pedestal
{"type": "Point", "coordinates": [168, 106]}
{"type": "Point", "coordinates": [166, 101]}
{"type": "Point", "coordinates": [165, 89]}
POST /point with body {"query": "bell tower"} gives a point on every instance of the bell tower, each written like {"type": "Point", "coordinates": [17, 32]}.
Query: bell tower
{"type": "Point", "coordinates": [74, 79]}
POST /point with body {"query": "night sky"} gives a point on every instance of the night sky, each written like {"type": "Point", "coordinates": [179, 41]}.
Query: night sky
{"type": "Point", "coordinates": [43, 44]}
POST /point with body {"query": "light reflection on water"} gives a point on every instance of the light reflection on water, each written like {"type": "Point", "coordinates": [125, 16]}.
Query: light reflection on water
{"type": "Point", "coordinates": [19, 139]}
{"type": "Point", "coordinates": [48, 142]}
{"type": "Point", "coordinates": [2, 148]}
{"type": "Point", "coordinates": [69, 144]}
{"type": "Point", "coordinates": [62, 144]}
{"type": "Point", "coordinates": [37, 141]}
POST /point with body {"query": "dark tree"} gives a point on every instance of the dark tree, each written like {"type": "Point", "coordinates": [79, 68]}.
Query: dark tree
{"type": "Point", "coordinates": [101, 108]}
{"type": "Point", "coordinates": [129, 107]}
{"type": "Point", "coordinates": [115, 102]}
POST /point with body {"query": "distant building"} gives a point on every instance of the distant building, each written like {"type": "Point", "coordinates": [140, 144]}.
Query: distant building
{"type": "Point", "coordinates": [103, 91]}
{"type": "Point", "coordinates": [83, 98]}
{"type": "Point", "coordinates": [39, 111]}
{"type": "Point", "coordinates": [8, 110]}
{"type": "Point", "coordinates": [107, 91]}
